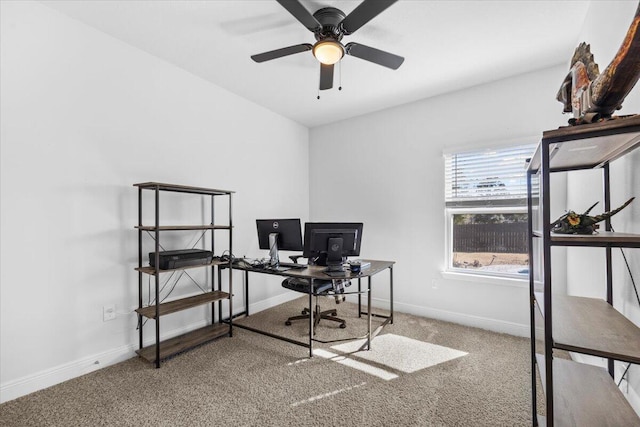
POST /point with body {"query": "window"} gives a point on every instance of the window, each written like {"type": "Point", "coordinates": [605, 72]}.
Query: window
{"type": "Point", "coordinates": [486, 209]}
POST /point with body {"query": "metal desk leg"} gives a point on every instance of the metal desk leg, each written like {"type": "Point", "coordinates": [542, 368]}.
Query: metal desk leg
{"type": "Point", "coordinates": [359, 298]}
{"type": "Point", "coordinates": [369, 315]}
{"type": "Point", "coordinates": [311, 318]}
{"type": "Point", "coordinates": [220, 289]}
{"type": "Point", "coordinates": [391, 292]}
{"type": "Point", "coordinates": [230, 273]}
{"type": "Point", "coordinates": [246, 293]}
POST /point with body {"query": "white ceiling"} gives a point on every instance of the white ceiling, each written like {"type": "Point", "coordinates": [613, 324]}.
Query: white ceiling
{"type": "Point", "coordinates": [448, 45]}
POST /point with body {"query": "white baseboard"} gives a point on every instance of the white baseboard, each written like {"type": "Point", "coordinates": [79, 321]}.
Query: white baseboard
{"type": "Point", "coordinates": [632, 395]}
{"type": "Point", "coordinates": [272, 302]}
{"type": "Point", "coordinates": [634, 399]}
{"type": "Point", "coordinates": [58, 374]}
{"type": "Point", "coordinates": [493, 325]}
{"type": "Point", "coordinates": [61, 373]}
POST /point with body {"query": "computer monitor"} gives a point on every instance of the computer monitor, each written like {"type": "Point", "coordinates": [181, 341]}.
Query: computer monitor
{"type": "Point", "coordinates": [332, 242]}
{"type": "Point", "coordinates": [279, 234]}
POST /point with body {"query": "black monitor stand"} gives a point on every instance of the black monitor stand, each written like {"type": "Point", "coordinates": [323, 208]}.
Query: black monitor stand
{"type": "Point", "coordinates": [334, 254]}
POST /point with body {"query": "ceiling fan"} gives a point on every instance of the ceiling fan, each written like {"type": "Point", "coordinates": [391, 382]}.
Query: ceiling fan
{"type": "Point", "coordinates": [329, 25]}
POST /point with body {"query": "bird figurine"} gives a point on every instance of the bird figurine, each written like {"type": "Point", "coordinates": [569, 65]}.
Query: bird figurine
{"type": "Point", "coordinates": [573, 223]}
{"type": "Point", "coordinates": [593, 96]}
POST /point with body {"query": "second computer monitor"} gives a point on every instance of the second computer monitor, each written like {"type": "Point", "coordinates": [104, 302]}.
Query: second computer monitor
{"type": "Point", "coordinates": [332, 242]}
{"type": "Point", "coordinates": [279, 234]}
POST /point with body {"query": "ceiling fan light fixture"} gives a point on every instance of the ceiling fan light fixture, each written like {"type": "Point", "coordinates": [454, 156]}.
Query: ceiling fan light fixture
{"type": "Point", "coordinates": [328, 52]}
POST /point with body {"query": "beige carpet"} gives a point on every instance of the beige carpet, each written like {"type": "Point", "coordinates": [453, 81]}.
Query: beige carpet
{"type": "Point", "coordinates": [420, 372]}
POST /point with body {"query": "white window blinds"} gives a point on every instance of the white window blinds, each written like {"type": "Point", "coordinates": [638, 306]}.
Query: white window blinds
{"type": "Point", "coordinates": [489, 177]}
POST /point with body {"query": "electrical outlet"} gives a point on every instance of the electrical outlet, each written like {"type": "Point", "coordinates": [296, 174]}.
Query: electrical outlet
{"type": "Point", "coordinates": [108, 312]}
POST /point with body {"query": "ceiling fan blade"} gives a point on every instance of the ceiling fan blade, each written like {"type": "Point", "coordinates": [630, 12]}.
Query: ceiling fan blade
{"type": "Point", "coordinates": [301, 14]}
{"type": "Point", "coordinates": [374, 55]}
{"type": "Point", "coordinates": [279, 53]}
{"type": "Point", "coordinates": [365, 12]}
{"type": "Point", "coordinates": [326, 76]}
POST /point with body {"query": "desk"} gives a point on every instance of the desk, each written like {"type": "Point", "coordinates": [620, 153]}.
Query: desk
{"type": "Point", "coordinates": [317, 273]}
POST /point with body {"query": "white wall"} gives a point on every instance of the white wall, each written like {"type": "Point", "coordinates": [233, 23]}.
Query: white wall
{"type": "Point", "coordinates": [85, 116]}
{"type": "Point", "coordinates": [389, 171]}
{"type": "Point", "coordinates": [605, 27]}
{"type": "Point", "coordinates": [386, 169]}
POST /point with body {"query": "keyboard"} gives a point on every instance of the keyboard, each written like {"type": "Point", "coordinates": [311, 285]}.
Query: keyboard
{"type": "Point", "coordinates": [293, 265]}
{"type": "Point", "coordinates": [280, 268]}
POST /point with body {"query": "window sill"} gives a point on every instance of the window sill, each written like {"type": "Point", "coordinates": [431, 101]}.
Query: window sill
{"type": "Point", "coordinates": [485, 278]}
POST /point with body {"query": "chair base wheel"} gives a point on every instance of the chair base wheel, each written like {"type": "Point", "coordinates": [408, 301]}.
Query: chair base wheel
{"type": "Point", "coordinates": [343, 325]}
{"type": "Point", "coordinates": [288, 323]}
{"type": "Point", "coordinates": [335, 313]}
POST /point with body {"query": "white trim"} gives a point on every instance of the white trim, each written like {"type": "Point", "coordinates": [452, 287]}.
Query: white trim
{"type": "Point", "coordinates": [494, 325]}
{"type": "Point", "coordinates": [486, 323]}
{"type": "Point", "coordinates": [58, 374]}
{"type": "Point", "coordinates": [272, 302]}
{"type": "Point", "coordinates": [486, 278]}
{"type": "Point", "coordinates": [633, 398]}
{"type": "Point", "coordinates": [61, 373]}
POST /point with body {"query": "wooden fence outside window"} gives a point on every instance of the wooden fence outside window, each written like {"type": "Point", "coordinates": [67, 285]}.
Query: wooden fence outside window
{"type": "Point", "coordinates": [498, 238]}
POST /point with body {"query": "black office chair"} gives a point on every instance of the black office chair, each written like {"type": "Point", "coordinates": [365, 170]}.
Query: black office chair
{"type": "Point", "coordinates": [321, 288]}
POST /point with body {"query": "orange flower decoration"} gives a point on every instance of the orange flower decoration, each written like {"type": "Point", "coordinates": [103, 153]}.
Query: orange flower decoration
{"type": "Point", "coordinates": [574, 220]}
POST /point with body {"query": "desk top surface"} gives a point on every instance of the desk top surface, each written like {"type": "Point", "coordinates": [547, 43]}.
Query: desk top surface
{"type": "Point", "coordinates": [317, 272]}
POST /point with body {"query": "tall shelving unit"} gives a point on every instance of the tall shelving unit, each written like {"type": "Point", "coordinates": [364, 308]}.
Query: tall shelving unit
{"type": "Point", "coordinates": [577, 394]}
{"type": "Point", "coordinates": [154, 311]}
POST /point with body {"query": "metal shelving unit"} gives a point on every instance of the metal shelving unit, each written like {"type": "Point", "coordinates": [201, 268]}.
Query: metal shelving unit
{"type": "Point", "coordinates": [161, 350]}
{"type": "Point", "coordinates": [575, 393]}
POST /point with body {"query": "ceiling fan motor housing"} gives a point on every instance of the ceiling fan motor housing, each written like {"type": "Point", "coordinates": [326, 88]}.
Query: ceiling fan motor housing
{"type": "Point", "coordinates": [330, 18]}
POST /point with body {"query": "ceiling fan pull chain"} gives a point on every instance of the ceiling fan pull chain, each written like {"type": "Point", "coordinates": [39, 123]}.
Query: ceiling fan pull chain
{"type": "Point", "coordinates": [340, 75]}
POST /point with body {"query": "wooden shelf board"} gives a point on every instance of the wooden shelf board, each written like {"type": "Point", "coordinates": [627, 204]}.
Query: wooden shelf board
{"type": "Point", "coordinates": [606, 129]}
{"type": "Point", "coordinates": [591, 326]}
{"type": "Point", "coordinates": [183, 227]}
{"type": "Point", "coordinates": [182, 304]}
{"type": "Point", "coordinates": [184, 342]}
{"type": "Point", "coordinates": [588, 146]}
{"type": "Point", "coordinates": [182, 188]}
{"type": "Point", "coordinates": [602, 238]}
{"type": "Point", "coordinates": [150, 270]}
{"type": "Point", "coordinates": [586, 395]}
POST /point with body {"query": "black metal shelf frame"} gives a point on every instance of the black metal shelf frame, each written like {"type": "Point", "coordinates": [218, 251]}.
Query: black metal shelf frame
{"type": "Point", "coordinates": [540, 242]}
{"type": "Point", "coordinates": [154, 231]}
